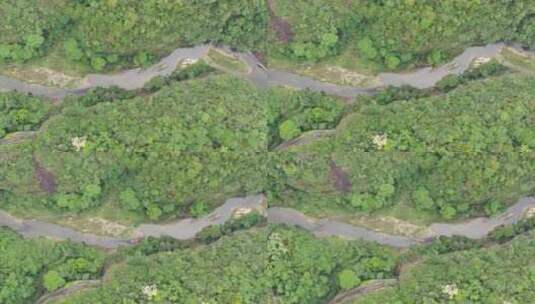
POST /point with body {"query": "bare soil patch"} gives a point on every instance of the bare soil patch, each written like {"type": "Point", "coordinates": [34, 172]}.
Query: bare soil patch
{"type": "Point", "coordinates": [46, 179]}
{"type": "Point", "coordinates": [340, 178]}
{"type": "Point", "coordinates": [281, 27]}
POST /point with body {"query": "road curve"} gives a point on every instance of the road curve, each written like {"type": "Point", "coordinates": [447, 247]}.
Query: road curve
{"type": "Point", "coordinates": [188, 228]}
{"type": "Point", "coordinates": [259, 75]}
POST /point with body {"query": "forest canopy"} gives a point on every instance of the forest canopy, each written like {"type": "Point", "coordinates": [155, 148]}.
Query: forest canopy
{"type": "Point", "coordinates": [256, 266]}
{"type": "Point", "coordinates": [190, 145]}
{"type": "Point", "coordinates": [21, 112]}
{"type": "Point", "coordinates": [497, 274]}
{"type": "Point", "coordinates": [111, 34]}
{"type": "Point", "coordinates": [465, 152]}
{"type": "Point", "coordinates": [180, 149]}
{"type": "Point", "coordinates": [29, 266]}
{"type": "Point", "coordinates": [102, 34]}
{"type": "Point", "coordinates": [397, 33]}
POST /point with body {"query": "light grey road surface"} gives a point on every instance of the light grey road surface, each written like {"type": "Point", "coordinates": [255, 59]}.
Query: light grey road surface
{"type": "Point", "coordinates": [260, 75]}
{"type": "Point", "coordinates": [188, 228]}
{"type": "Point", "coordinates": [428, 77]}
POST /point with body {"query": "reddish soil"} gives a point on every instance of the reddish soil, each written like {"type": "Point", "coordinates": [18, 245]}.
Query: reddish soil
{"type": "Point", "coordinates": [281, 27]}
{"type": "Point", "coordinates": [46, 179]}
{"type": "Point", "coordinates": [340, 178]}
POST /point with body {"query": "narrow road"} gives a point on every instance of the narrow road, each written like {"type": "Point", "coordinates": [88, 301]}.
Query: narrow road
{"type": "Point", "coordinates": [187, 228]}
{"type": "Point", "coordinates": [261, 76]}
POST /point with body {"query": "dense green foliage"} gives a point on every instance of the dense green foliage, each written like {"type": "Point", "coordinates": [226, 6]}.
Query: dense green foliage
{"type": "Point", "coordinates": [114, 33]}
{"type": "Point", "coordinates": [398, 33]}
{"type": "Point", "coordinates": [21, 112]}
{"type": "Point", "coordinates": [314, 27]}
{"type": "Point", "coordinates": [125, 32]}
{"type": "Point", "coordinates": [159, 154]}
{"type": "Point", "coordinates": [292, 112]}
{"type": "Point", "coordinates": [26, 266]}
{"type": "Point", "coordinates": [507, 233]}
{"type": "Point", "coordinates": [195, 70]}
{"type": "Point", "coordinates": [180, 146]}
{"type": "Point", "coordinates": [28, 27]}
{"type": "Point", "coordinates": [175, 147]}
{"type": "Point", "coordinates": [455, 154]}
{"type": "Point", "coordinates": [273, 264]}
{"type": "Point", "coordinates": [139, 29]}
{"type": "Point", "coordinates": [215, 232]}
{"type": "Point", "coordinates": [500, 274]}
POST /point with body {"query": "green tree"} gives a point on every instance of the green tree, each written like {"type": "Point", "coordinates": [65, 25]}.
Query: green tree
{"type": "Point", "coordinates": [392, 61]}
{"type": "Point", "coordinates": [98, 63]}
{"type": "Point", "coordinates": [153, 212]}
{"type": "Point", "coordinates": [422, 199]}
{"type": "Point", "coordinates": [448, 212]}
{"type": "Point", "coordinates": [53, 280]}
{"type": "Point", "coordinates": [72, 50]}
{"type": "Point", "coordinates": [34, 41]}
{"type": "Point", "coordinates": [143, 59]}
{"type": "Point", "coordinates": [288, 130]}
{"type": "Point", "coordinates": [366, 48]}
{"type": "Point", "coordinates": [348, 279]}
{"type": "Point", "coordinates": [129, 199]}
{"type": "Point", "coordinates": [494, 207]}
{"type": "Point", "coordinates": [198, 209]}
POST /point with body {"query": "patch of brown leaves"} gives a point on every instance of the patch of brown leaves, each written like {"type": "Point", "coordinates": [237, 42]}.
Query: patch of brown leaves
{"type": "Point", "coordinates": [46, 179]}
{"type": "Point", "coordinates": [281, 27]}
{"type": "Point", "coordinates": [340, 178]}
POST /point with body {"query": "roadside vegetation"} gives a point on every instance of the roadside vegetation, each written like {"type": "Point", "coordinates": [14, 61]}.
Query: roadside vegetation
{"type": "Point", "coordinates": [264, 265]}
{"type": "Point", "coordinates": [277, 263]}
{"type": "Point", "coordinates": [496, 274]}
{"type": "Point", "coordinates": [179, 147]}
{"type": "Point", "coordinates": [115, 34]}
{"type": "Point", "coordinates": [185, 143]}
{"type": "Point", "coordinates": [461, 154]}
{"type": "Point", "coordinates": [178, 151]}
{"type": "Point", "coordinates": [32, 267]}
{"type": "Point", "coordinates": [21, 112]}
{"type": "Point", "coordinates": [371, 35]}
{"type": "Point", "coordinates": [394, 34]}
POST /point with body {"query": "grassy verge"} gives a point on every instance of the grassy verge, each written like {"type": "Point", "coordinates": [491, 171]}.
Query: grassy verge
{"type": "Point", "coordinates": [346, 68]}
{"type": "Point", "coordinates": [521, 61]}
{"type": "Point", "coordinates": [104, 221]}
{"type": "Point", "coordinates": [226, 61]}
{"type": "Point", "coordinates": [51, 70]}
{"type": "Point", "coordinates": [400, 219]}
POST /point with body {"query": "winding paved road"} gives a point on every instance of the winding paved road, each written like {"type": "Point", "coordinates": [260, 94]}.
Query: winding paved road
{"type": "Point", "coordinates": [187, 228]}
{"type": "Point", "coordinates": [261, 76]}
